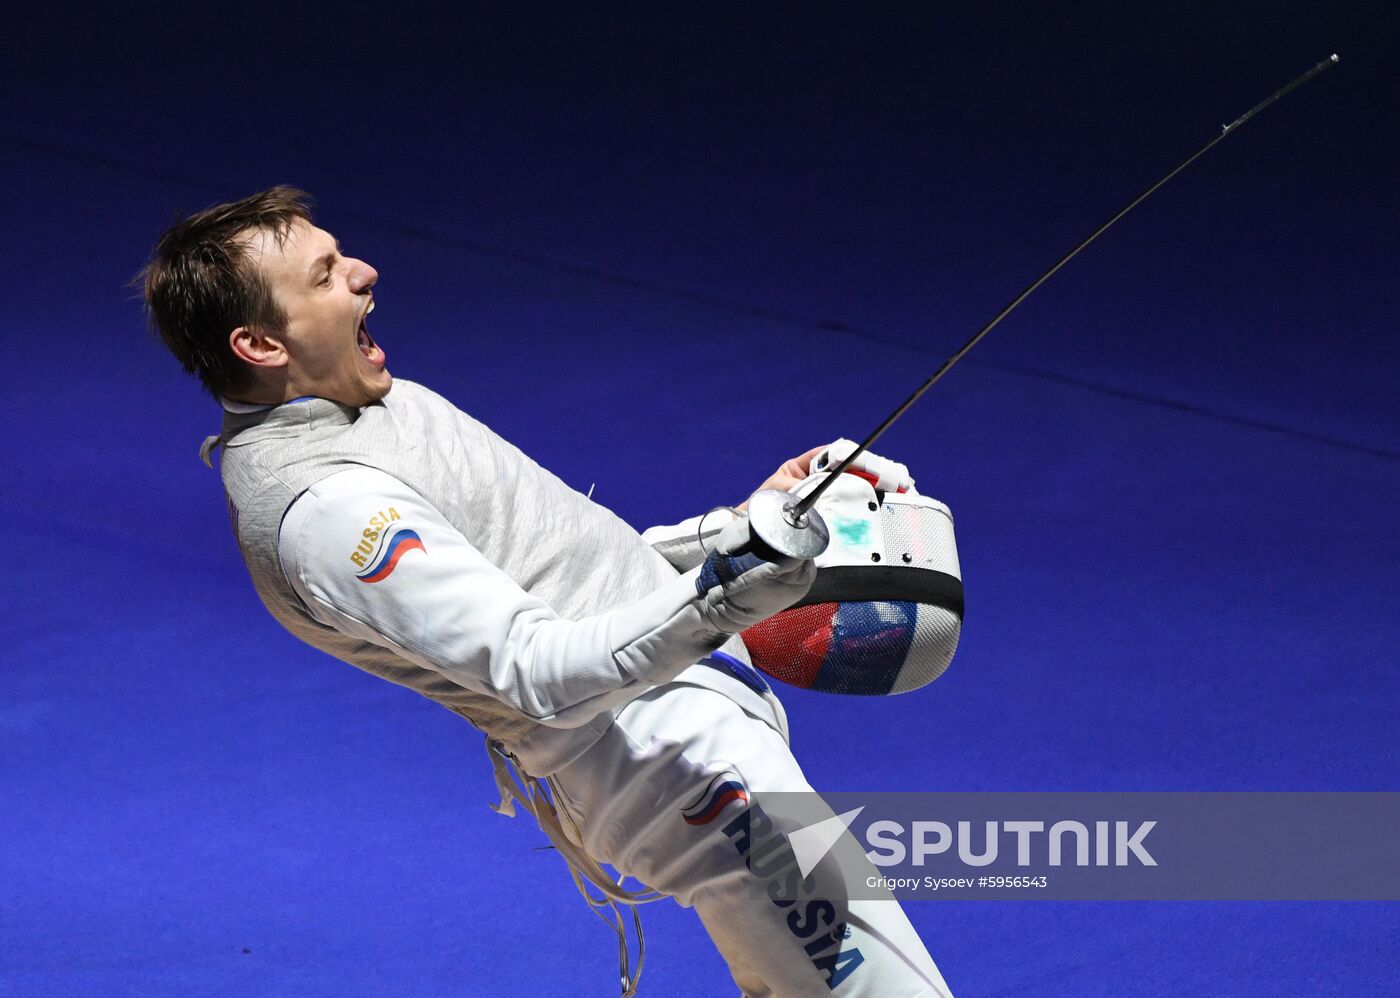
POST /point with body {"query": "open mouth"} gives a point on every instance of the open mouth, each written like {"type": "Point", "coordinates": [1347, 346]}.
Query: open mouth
{"type": "Point", "coordinates": [368, 347]}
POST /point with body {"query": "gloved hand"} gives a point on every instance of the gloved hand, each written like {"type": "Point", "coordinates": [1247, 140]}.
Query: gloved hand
{"type": "Point", "coordinates": [680, 623]}
{"type": "Point", "coordinates": [738, 588]}
{"type": "Point", "coordinates": [881, 473]}
{"type": "Point", "coordinates": [885, 475]}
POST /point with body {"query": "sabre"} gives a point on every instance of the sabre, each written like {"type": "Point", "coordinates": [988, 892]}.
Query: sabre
{"type": "Point", "coordinates": [791, 527]}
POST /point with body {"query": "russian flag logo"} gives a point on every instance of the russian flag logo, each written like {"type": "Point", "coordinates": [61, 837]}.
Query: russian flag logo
{"type": "Point", "coordinates": [396, 544]}
{"type": "Point", "coordinates": [725, 787]}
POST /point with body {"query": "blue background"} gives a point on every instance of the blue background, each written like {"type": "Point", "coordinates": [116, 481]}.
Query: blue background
{"type": "Point", "coordinates": [663, 247]}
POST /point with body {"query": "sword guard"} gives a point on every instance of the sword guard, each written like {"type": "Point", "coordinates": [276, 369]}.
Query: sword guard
{"type": "Point", "coordinates": [775, 531]}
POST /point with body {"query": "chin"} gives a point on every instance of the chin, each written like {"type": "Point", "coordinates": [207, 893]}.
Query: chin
{"type": "Point", "coordinates": [377, 389]}
{"type": "Point", "coordinates": [356, 389]}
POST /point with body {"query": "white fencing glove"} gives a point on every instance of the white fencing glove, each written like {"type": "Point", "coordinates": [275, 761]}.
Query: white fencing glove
{"type": "Point", "coordinates": [885, 475]}
{"type": "Point", "coordinates": [739, 590]}
{"type": "Point", "coordinates": [728, 593]}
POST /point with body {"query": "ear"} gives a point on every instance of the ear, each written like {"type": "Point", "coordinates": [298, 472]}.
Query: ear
{"type": "Point", "coordinates": [258, 348]}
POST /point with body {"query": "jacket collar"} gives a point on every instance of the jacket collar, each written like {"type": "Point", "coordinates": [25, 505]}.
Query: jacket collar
{"type": "Point", "coordinates": [245, 423]}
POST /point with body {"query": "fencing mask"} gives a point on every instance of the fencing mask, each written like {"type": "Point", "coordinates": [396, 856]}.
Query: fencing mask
{"type": "Point", "coordinates": [886, 609]}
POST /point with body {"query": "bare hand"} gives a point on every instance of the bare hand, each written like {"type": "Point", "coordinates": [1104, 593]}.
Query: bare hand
{"type": "Point", "coordinates": [790, 473]}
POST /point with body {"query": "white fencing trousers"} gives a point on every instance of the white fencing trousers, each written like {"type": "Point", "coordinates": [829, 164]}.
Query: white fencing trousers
{"type": "Point", "coordinates": [663, 797]}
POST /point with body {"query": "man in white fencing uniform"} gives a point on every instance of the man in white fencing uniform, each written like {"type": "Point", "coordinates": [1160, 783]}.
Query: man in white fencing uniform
{"type": "Point", "coordinates": [384, 526]}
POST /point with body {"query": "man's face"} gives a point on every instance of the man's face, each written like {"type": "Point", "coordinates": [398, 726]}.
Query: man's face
{"type": "Point", "coordinates": [326, 298]}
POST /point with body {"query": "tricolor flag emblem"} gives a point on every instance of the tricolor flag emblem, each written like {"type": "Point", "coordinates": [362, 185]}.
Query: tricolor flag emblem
{"type": "Point", "coordinates": [397, 543]}
{"type": "Point", "coordinates": [725, 787]}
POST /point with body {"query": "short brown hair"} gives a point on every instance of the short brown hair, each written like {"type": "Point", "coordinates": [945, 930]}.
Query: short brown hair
{"type": "Point", "coordinates": [201, 285]}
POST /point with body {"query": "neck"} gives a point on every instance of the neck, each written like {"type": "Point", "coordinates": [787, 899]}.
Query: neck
{"type": "Point", "coordinates": [267, 388]}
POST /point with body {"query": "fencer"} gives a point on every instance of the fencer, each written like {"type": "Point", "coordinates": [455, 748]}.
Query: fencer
{"type": "Point", "coordinates": [383, 525]}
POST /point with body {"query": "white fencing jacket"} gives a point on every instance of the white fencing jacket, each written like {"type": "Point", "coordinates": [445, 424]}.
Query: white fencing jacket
{"type": "Point", "coordinates": [409, 540]}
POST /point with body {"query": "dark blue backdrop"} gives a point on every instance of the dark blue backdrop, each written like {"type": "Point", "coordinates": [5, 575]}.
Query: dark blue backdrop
{"type": "Point", "coordinates": [663, 247]}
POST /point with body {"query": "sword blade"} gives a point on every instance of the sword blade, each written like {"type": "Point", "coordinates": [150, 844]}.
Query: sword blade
{"type": "Point", "coordinates": [795, 512]}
